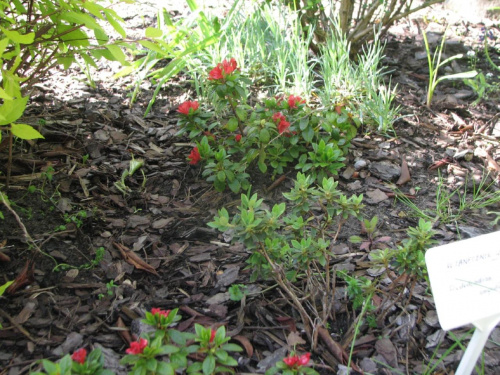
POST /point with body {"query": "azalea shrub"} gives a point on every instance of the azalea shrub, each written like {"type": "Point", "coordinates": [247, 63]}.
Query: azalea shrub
{"type": "Point", "coordinates": [293, 365]}
{"type": "Point", "coordinates": [165, 351]}
{"type": "Point", "coordinates": [269, 137]}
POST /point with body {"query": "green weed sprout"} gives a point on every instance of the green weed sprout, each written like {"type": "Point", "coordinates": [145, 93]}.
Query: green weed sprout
{"type": "Point", "coordinates": [435, 63]}
{"type": "Point", "coordinates": [134, 165]}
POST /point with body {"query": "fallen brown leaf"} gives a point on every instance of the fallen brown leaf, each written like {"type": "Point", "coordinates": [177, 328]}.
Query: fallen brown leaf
{"type": "Point", "coordinates": [26, 277]}
{"type": "Point", "coordinates": [134, 259]}
{"type": "Point", "coordinates": [124, 334]}
{"type": "Point", "coordinates": [405, 174]}
{"type": "Point", "coordinates": [245, 343]}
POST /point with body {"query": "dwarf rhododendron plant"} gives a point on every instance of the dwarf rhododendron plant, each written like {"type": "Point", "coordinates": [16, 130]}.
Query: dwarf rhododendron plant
{"type": "Point", "coordinates": [186, 107]}
{"type": "Point", "coordinates": [137, 347]}
{"type": "Point", "coordinates": [279, 133]}
{"type": "Point", "coordinates": [79, 356]}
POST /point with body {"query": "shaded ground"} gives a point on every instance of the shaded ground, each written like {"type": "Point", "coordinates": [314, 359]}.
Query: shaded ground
{"type": "Point", "coordinates": [73, 210]}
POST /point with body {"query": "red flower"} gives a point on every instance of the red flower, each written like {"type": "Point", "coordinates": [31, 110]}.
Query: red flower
{"type": "Point", "coordinates": [137, 347]}
{"type": "Point", "coordinates": [216, 73]}
{"type": "Point", "coordinates": [194, 156]}
{"type": "Point", "coordinates": [237, 138]}
{"type": "Point", "coordinates": [185, 108]}
{"type": "Point", "coordinates": [278, 117]}
{"type": "Point", "coordinates": [291, 361]}
{"type": "Point", "coordinates": [294, 100]}
{"type": "Point", "coordinates": [79, 356]}
{"type": "Point", "coordinates": [283, 127]}
{"type": "Point", "coordinates": [222, 70]}
{"type": "Point", "coordinates": [229, 66]}
{"type": "Point", "coordinates": [304, 359]}
{"type": "Point", "coordinates": [156, 310]}
{"type": "Point", "coordinates": [296, 361]}
{"type": "Point", "coordinates": [212, 335]}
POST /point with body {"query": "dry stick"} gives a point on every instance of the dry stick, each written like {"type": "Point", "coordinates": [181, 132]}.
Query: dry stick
{"type": "Point", "coordinates": [303, 313]}
{"type": "Point", "coordinates": [17, 325]}
{"type": "Point", "coordinates": [19, 222]}
{"type": "Point", "coordinates": [9, 162]}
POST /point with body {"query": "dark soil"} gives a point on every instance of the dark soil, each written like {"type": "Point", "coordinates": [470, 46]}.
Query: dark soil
{"type": "Point", "coordinates": [63, 190]}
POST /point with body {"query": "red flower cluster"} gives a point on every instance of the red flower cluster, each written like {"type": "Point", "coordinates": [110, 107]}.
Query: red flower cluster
{"type": "Point", "coordinates": [194, 157]}
{"type": "Point", "coordinates": [237, 138]}
{"type": "Point", "coordinates": [156, 310]}
{"type": "Point", "coordinates": [297, 361]}
{"type": "Point", "coordinates": [222, 70]}
{"type": "Point", "coordinates": [283, 125]}
{"type": "Point", "coordinates": [137, 347]}
{"type": "Point", "coordinates": [212, 336]}
{"type": "Point", "coordinates": [185, 108]}
{"type": "Point", "coordinates": [79, 356]}
{"type": "Point", "coordinates": [293, 101]}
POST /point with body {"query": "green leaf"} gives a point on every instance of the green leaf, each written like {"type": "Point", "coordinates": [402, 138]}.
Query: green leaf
{"type": "Point", "coordinates": [221, 176]}
{"type": "Point", "coordinates": [50, 367]}
{"type": "Point", "coordinates": [262, 166]}
{"type": "Point", "coordinates": [153, 32]}
{"type": "Point", "coordinates": [241, 113]}
{"type": "Point", "coordinates": [308, 134]}
{"type": "Point", "coordinates": [232, 124]}
{"type": "Point", "coordinates": [463, 75]}
{"type": "Point", "coordinates": [3, 44]}
{"type": "Point", "coordinates": [232, 347]}
{"type": "Point", "coordinates": [11, 110]}
{"type": "Point", "coordinates": [117, 54]}
{"type": "Point", "coordinates": [208, 365]}
{"type": "Point", "coordinates": [89, 60]}
{"type": "Point", "coordinates": [24, 131]}
{"type": "Point", "coordinates": [66, 62]}
{"type": "Point", "coordinates": [76, 38]}
{"type": "Point", "coordinates": [16, 37]}
{"type": "Point", "coordinates": [164, 368]}
{"type": "Point", "coordinates": [264, 136]}
{"type": "Point", "coordinates": [355, 239]}
{"type": "Point", "coordinates": [112, 19]}
{"type": "Point", "coordinates": [94, 9]}
{"type": "Point", "coordinates": [4, 287]}
{"type": "Point", "coordinates": [234, 185]}
{"type": "Point", "coordinates": [80, 19]}
{"type": "Point", "coordinates": [101, 36]}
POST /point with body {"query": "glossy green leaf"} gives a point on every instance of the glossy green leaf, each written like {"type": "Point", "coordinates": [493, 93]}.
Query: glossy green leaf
{"type": "Point", "coordinates": [24, 131]}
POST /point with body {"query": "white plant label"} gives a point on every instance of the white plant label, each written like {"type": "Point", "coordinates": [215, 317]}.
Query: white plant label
{"type": "Point", "coordinates": [465, 280]}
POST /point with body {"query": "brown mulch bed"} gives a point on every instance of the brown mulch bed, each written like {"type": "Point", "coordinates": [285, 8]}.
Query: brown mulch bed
{"type": "Point", "coordinates": [73, 209]}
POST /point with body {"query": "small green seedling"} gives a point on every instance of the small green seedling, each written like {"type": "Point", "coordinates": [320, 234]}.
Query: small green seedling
{"type": "Point", "coordinates": [369, 227]}
{"type": "Point", "coordinates": [435, 63]}
{"type": "Point", "coordinates": [134, 165]}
